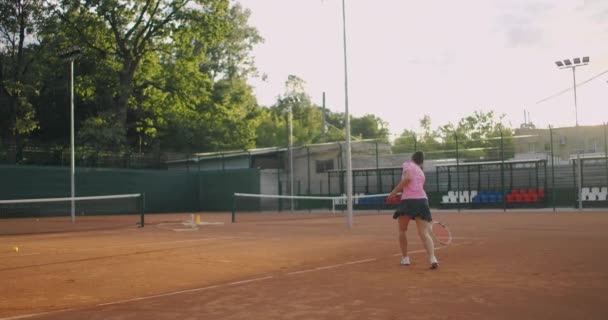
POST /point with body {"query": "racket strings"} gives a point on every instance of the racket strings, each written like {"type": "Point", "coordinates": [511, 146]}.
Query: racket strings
{"type": "Point", "coordinates": [441, 233]}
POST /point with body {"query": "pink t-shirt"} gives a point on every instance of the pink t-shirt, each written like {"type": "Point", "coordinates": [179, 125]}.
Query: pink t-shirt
{"type": "Point", "coordinates": [415, 188]}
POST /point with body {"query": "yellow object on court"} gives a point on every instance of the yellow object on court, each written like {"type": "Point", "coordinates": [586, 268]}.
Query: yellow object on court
{"type": "Point", "coordinates": [198, 219]}
{"type": "Point", "coordinates": [16, 248]}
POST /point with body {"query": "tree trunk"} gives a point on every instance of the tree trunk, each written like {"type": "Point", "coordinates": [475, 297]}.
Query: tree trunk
{"type": "Point", "coordinates": [125, 91]}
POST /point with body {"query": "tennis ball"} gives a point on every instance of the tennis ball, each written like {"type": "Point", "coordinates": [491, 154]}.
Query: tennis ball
{"type": "Point", "coordinates": [16, 248]}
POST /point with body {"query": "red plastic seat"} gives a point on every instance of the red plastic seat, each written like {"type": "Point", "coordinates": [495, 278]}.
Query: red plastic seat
{"type": "Point", "coordinates": [514, 191]}
{"type": "Point", "coordinates": [534, 197]}
{"type": "Point", "coordinates": [523, 191]}
{"type": "Point", "coordinates": [510, 198]}
{"type": "Point", "coordinates": [528, 198]}
{"type": "Point", "coordinates": [519, 198]}
{"type": "Point", "coordinates": [531, 191]}
{"type": "Point", "coordinates": [541, 193]}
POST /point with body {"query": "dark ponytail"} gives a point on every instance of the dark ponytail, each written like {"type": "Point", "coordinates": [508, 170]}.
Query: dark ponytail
{"type": "Point", "coordinates": [418, 157]}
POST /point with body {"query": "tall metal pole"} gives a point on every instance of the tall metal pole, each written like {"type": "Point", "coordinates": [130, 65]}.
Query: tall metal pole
{"type": "Point", "coordinates": [72, 152]}
{"type": "Point", "coordinates": [323, 130]}
{"type": "Point", "coordinates": [552, 169]}
{"type": "Point", "coordinates": [349, 169]}
{"type": "Point", "coordinates": [378, 180]}
{"type": "Point", "coordinates": [457, 172]}
{"type": "Point", "coordinates": [291, 168]}
{"type": "Point", "coordinates": [308, 168]}
{"type": "Point", "coordinates": [502, 172]}
{"type": "Point", "coordinates": [606, 151]}
{"type": "Point", "coordinates": [575, 105]}
{"type": "Point", "coordinates": [578, 150]}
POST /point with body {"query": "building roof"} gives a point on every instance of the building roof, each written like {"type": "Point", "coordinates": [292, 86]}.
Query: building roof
{"type": "Point", "coordinates": [252, 152]}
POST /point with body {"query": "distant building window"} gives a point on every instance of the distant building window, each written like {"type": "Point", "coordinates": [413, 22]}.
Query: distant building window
{"type": "Point", "coordinates": [324, 165]}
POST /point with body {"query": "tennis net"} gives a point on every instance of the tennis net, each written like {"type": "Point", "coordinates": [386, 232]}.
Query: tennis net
{"type": "Point", "coordinates": [254, 207]}
{"type": "Point", "coordinates": [54, 214]}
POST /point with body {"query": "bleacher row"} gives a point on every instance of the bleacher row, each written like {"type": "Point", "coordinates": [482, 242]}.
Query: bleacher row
{"type": "Point", "coordinates": [514, 196]}
{"type": "Point", "coordinates": [595, 194]}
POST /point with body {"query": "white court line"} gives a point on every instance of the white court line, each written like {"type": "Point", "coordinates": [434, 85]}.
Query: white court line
{"type": "Point", "coordinates": [436, 248]}
{"type": "Point", "coordinates": [182, 291]}
{"type": "Point", "coordinates": [356, 262]}
{"type": "Point", "coordinates": [35, 314]}
{"type": "Point", "coordinates": [63, 251]}
{"type": "Point", "coordinates": [17, 255]}
{"type": "Point", "coordinates": [411, 252]}
{"type": "Point", "coordinates": [331, 267]}
{"type": "Point", "coordinates": [144, 244]}
{"type": "Point", "coordinates": [217, 286]}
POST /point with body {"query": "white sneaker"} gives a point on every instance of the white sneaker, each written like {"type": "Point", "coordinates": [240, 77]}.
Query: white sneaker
{"type": "Point", "coordinates": [405, 261]}
{"type": "Point", "coordinates": [434, 263]}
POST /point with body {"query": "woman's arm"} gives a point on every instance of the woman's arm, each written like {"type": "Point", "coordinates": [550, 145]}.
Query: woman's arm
{"type": "Point", "coordinates": [406, 179]}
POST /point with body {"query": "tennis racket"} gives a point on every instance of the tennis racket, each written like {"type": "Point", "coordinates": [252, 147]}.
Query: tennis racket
{"type": "Point", "coordinates": [393, 200]}
{"type": "Point", "coordinates": [441, 233]}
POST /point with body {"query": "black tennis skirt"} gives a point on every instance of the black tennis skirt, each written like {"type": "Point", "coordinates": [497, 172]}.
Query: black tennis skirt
{"type": "Point", "coordinates": [414, 208]}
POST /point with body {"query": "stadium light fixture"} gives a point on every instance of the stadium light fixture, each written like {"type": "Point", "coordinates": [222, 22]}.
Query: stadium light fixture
{"type": "Point", "coordinates": [569, 65]}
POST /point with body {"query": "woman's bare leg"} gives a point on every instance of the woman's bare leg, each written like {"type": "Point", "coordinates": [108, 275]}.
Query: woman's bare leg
{"type": "Point", "coordinates": [424, 231]}
{"type": "Point", "coordinates": [403, 222]}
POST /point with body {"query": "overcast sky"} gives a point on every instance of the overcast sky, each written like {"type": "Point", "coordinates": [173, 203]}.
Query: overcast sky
{"type": "Point", "coordinates": [442, 58]}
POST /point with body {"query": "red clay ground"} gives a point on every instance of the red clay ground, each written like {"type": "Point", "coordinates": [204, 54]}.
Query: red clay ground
{"type": "Point", "coordinates": [501, 266]}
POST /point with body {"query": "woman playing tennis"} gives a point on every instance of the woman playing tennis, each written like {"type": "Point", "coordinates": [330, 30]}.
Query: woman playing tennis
{"type": "Point", "coordinates": [414, 205]}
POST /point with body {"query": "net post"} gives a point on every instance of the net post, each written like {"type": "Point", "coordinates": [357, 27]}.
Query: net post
{"type": "Point", "coordinates": [234, 208]}
{"type": "Point", "coordinates": [142, 206]}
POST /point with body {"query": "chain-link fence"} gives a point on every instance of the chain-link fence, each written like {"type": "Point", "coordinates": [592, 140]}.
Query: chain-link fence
{"type": "Point", "coordinates": [522, 168]}
{"type": "Point", "coordinates": [58, 155]}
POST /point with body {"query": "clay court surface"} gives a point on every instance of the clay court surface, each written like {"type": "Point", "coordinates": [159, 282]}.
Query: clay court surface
{"type": "Point", "coordinates": [523, 265]}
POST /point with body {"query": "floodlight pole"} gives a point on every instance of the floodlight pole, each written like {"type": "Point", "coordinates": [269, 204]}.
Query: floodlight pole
{"type": "Point", "coordinates": [349, 169]}
{"type": "Point", "coordinates": [578, 150]}
{"type": "Point", "coordinates": [70, 56]}
{"type": "Point", "coordinates": [72, 152]}
{"type": "Point", "coordinates": [568, 64]}
{"type": "Point", "coordinates": [291, 168]}
{"type": "Point", "coordinates": [575, 102]}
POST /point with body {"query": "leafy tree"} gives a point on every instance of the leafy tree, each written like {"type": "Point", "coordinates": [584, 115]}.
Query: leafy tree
{"type": "Point", "coordinates": [406, 142]}
{"type": "Point", "coordinates": [308, 121]}
{"type": "Point", "coordinates": [369, 127]}
{"type": "Point", "coordinates": [478, 138]}
{"type": "Point", "coordinates": [133, 31]}
{"type": "Point", "coordinates": [20, 21]}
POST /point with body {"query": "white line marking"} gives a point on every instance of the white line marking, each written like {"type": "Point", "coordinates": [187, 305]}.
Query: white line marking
{"type": "Point", "coordinates": [436, 248]}
{"type": "Point", "coordinates": [66, 250]}
{"type": "Point", "coordinates": [331, 267]}
{"type": "Point", "coordinates": [216, 286]}
{"type": "Point", "coordinates": [17, 255]}
{"type": "Point", "coordinates": [412, 252]}
{"type": "Point", "coordinates": [35, 314]}
{"type": "Point", "coordinates": [182, 291]}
